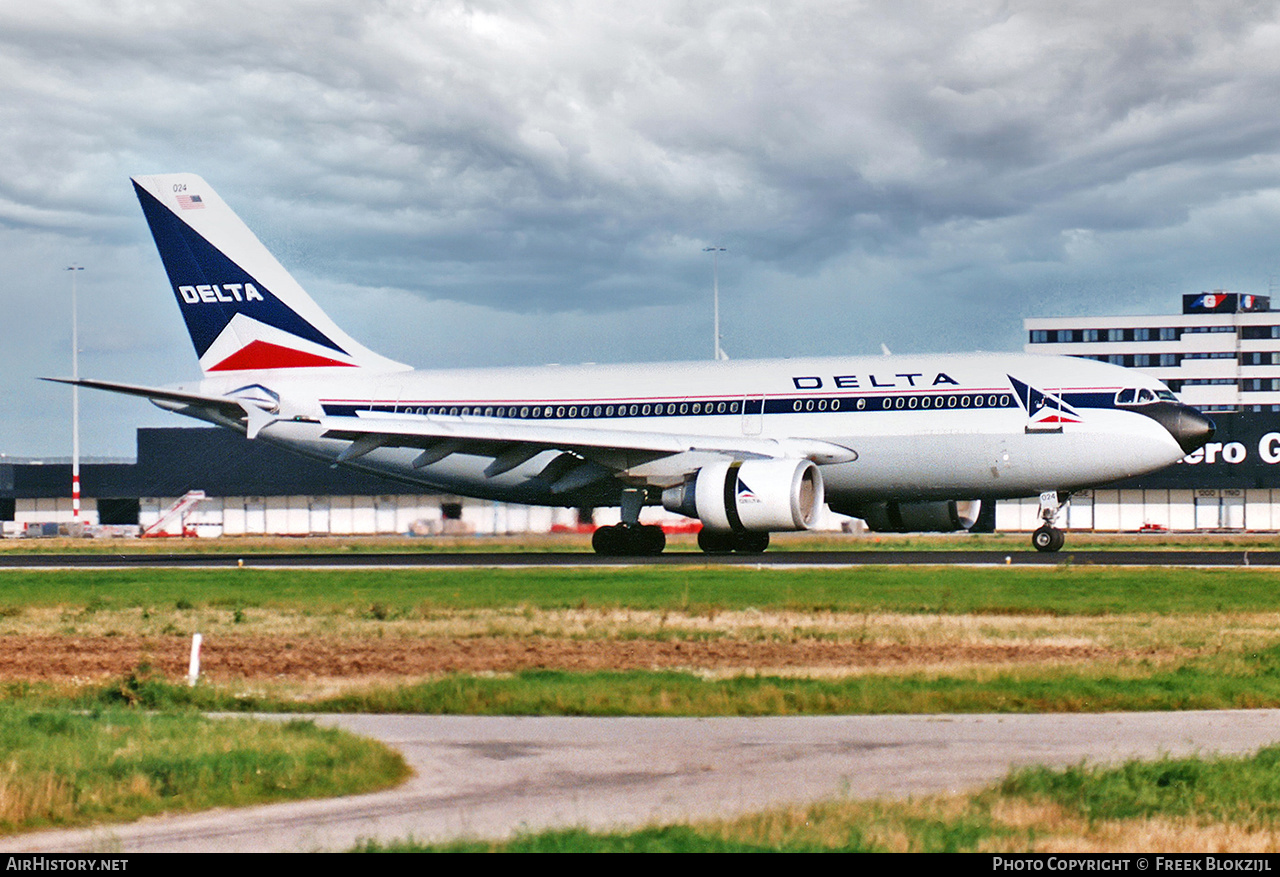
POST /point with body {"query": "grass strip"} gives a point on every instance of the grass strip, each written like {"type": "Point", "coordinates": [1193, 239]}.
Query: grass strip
{"type": "Point", "coordinates": [1175, 805]}
{"type": "Point", "coordinates": [1066, 589]}
{"type": "Point", "coordinates": [62, 768]}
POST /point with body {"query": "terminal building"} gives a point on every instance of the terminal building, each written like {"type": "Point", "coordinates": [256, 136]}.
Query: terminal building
{"type": "Point", "coordinates": [1222, 355]}
{"type": "Point", "coordinates": [251, 488]}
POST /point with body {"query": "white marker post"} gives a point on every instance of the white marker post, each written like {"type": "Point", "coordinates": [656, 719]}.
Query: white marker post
{"type": "Point", "coordinates": [193, 669]}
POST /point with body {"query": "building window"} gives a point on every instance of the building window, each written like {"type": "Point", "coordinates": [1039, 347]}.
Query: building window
{"type": "Point", "coordinates": [1168, 334]}
{"type": "Point", "coordinates": [1142, 360]}
{"type": "Point", "coordinates": [1066, 336]}
{"type": "Point", "coordinates": [1255, 332]}
{"type": "Point", "coordinates": [1039, 336]}
{"type": "Point", "coordinates": [1168, 360]}
{"type": "Point", "coordinates": [1115, 334]}
{"type": "Point", "coordinates": [1141, 334]}
{"type": "Point", "coordinates": [1090, 334]}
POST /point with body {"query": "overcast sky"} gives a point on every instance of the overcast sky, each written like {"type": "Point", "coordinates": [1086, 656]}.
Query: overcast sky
{"type": "Point", "coordinates": [497, 183]}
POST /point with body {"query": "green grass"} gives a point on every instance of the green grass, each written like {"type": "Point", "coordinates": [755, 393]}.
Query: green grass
{"type": "Point", "coordinates": [61, 768]}
{"type": "Point", "coordinates": [1062, 590]}
{"type": "Point", "coordinates": [1212, 802]}
{"type": "Point", "coordinates": [1240, 790]}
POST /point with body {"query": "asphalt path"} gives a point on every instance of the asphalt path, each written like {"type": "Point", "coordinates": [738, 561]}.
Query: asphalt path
{"type": "Point", "coordinates": [488, 777]}
{"type": "Point", "coordinates": [676, 558]}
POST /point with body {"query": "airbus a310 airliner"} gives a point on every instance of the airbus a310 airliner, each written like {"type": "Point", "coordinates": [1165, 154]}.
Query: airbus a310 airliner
{"type": "Point", "coordinates": [907, 443]}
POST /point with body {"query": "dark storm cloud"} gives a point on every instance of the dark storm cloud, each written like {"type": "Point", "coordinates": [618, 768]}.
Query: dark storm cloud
{"type": "Point", "coordinates": [544, 176]}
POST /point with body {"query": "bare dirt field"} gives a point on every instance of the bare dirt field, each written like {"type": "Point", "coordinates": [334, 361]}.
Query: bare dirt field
{"type": "Point", "coordinates": [264, 645]}
{"type": "Point", "coordinates": [68, 658]}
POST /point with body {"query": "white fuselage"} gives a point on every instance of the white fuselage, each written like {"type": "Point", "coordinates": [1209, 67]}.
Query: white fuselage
{"type": "Point", "coordinates": [921, 427]}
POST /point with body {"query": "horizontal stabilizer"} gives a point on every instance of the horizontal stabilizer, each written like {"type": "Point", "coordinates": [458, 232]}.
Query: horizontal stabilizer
{"type": "Point", "coordinates": [158, 394]}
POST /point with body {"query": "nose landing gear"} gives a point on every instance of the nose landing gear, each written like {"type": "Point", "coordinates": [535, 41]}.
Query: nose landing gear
{"type": "Point", "coordinates": [1047, 537]}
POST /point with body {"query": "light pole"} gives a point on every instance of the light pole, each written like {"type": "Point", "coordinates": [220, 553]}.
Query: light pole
{"type": "Point", "coordinates": [75, 400]}
{"type": "Point", "coordinates": [716, 353]}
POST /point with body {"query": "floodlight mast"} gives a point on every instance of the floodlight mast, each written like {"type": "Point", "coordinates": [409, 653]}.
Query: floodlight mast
{"type": "Point", "coordinates": [75, 400]}
{"type": "Point", "coordinates": [717, 353]}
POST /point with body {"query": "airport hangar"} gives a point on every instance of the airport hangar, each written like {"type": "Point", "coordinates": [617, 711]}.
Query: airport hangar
{"type": "Point", "coordinates": [1221, 354]}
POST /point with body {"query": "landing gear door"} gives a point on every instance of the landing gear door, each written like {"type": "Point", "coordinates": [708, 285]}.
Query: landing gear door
{"type": "Point", "coordinates": [752, 415]}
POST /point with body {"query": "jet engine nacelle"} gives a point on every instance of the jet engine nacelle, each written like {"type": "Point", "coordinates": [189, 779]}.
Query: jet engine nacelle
{"type": "Point", "coordinates": [945, 516]}
{"type": "Point", "coordinates": [753, 495]}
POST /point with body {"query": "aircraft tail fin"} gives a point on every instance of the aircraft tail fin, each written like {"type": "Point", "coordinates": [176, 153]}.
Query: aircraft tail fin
{"type": "Point", "coordinates": [243, 310]}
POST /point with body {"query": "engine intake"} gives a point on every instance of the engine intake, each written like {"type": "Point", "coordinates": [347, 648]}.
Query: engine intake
{"type": "Point", "coordinates": [751, 495]}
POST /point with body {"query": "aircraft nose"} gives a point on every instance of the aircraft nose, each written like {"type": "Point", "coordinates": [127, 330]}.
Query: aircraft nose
{"type": "Point", "coordinates": [1190, 428]}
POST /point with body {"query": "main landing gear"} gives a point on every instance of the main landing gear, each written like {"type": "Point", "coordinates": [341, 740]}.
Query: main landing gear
{"type": "Point", "coordinates": [1047, 537]}
{"type": "Point", "coordinates": [720, 542]}
{"type": "Point", "coordinates": [623, 540]}
{"type": "Point", "coordinates": [629, 538]}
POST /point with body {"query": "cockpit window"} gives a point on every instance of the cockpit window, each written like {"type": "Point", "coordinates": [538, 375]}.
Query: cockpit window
{"type": "Point", "coordinates": [1166, 396]}
{"type": "Point", "coordinates": [1140, 396]}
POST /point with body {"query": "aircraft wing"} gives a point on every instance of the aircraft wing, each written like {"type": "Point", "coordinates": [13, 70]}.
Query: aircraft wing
{"type": "Point", "coordinates": [587, 454]}
{"type": "Point", "coordinates": [656, 458]}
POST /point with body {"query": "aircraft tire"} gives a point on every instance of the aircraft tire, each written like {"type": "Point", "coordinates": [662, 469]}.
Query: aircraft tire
{"type": "Point", "coordinates": [1048, 539]}
{"type": "Point", "coordinates": [649, 539]}
{"type": "Point", "coordinates": [609, 541]}
{"type": "Point", "coordinates": [751, 543]}
{"type": "Point", "coordinates": [620, 540]}
{"type": "Point", "coordinates": [715, 542]}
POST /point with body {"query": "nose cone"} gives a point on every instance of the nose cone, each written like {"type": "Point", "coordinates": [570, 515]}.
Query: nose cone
{"type": "Point", "coordinates": [1189, 427]}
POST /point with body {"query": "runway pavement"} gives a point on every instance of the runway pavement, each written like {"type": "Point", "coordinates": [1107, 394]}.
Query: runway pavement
{"type": "Point", "coordinates": [677, 558]}
{"type": "Point", "coordinates": [493, 776]}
